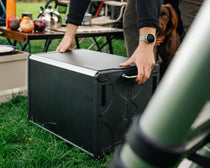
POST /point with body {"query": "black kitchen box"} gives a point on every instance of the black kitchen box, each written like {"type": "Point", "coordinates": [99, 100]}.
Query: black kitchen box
{"type": "Point", "coordinates": [82, 97]}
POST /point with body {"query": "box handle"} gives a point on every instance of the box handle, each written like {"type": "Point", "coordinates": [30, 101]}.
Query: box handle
{"type": "Point", "coordinates": [129, 77]}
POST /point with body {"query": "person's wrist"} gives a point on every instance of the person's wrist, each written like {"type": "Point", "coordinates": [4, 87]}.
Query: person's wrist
{"type": "Point", "coordinates": [145, 44]}
{"type": "Point", "coordinates": [144, 31]}
{"type": "Point", "coordinates": [71, 29]}
{"type": "Point", "coordinates": [148, 38]}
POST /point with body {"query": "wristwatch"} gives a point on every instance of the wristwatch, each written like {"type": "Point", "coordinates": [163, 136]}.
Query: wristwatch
{"type": "Point", "coordinates": [149, 38]}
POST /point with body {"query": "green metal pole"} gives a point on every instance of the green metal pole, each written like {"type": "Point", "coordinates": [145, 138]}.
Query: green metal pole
{"type": "Point", "coordinates": [181, 94]}
{"type": "Point", "coordinates": [205, 151]}
{"type": "Point", "coordinates": [184, 89]}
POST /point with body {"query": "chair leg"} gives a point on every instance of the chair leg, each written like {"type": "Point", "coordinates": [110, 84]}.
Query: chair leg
{"type": "Point", "coordinates": [92, 42]}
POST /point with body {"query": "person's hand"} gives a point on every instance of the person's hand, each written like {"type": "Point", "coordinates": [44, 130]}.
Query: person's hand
{"type": "Point", "coordinates": [144, 59]}
{"type": "Point", "coordinates": [68, 39]}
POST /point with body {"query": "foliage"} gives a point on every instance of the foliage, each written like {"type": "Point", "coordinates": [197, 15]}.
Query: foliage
{"type": "Point", "coordinates": [23, 144]}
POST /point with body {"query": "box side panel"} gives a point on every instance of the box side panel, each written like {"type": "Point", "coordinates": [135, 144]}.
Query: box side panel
{"type": "Point", "coordinates": [13, 75]}
{"type": "Point", "coordinates": [119, 99]}
{"type": "Point", "coordinates": [13, 71]}
{"type": "Point", "coordinates": [61, 101]}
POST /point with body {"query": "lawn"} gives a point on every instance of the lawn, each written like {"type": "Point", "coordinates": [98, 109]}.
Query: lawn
{"type": "Point", "coordinates": [25, 145]}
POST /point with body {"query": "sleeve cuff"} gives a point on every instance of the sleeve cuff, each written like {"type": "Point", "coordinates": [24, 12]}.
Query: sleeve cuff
{"type": "Point", "coordinates": [74, 19]}
{"type": "Point", "coordinates": [147, 22]}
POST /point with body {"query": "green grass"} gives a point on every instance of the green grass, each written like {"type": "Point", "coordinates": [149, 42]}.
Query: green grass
{"type": "Point", "coordinates": [23, 144]}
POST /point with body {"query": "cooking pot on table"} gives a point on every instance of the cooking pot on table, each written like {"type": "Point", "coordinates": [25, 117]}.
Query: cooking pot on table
{"type": "Point", "coordinates": [50, 16]}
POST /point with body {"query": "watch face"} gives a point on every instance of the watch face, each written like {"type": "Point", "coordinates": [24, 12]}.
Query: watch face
{"type": "Point", "coordinates": [150, 38]}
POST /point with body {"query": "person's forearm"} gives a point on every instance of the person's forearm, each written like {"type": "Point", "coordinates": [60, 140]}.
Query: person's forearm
{"type": "Point", "coordinates": [71, 29]}
{"type": "Point", "coordinates": [77, 10]}
{"type": "Point", "coordinates": [147, 30]}
{"type": "Point", "coordinates": [148, 12]}
{"type": "Point", "coordinates": [68, 39]}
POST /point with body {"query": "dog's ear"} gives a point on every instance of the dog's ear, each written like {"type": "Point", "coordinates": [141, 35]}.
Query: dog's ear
{"type": "Point", "coordinates": [173, 19]}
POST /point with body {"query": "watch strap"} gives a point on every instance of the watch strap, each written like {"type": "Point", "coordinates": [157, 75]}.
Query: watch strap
{"type": "Point", "coordinates": [149, 38]}
{"type": "Point", "coordinates": [143, 38]}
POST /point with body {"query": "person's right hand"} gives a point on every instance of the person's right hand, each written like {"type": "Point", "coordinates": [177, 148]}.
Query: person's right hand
{"type": "Point", "coordinates": [144, 59]}
{"type": "Point", "coordinates": [68, 39]}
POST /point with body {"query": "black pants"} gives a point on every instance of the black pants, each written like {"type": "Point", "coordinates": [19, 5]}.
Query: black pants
{"type": "Point", "coordinates": [131, 33]}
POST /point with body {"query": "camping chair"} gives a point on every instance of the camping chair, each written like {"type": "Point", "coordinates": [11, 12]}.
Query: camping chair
{"type": "Point", "coordinates": [61, 4]}
{"type": "Point", "coordinates": [111, 20]}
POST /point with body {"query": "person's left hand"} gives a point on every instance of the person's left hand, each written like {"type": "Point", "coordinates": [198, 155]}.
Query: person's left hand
{"type": "Point", "coordinates": [68, 39]}
{"type": "Point", "coordinates": [144, 59]}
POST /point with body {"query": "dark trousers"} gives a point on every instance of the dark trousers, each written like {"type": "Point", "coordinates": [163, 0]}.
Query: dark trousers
{"type": "Point", "coordinates": [131, 33]}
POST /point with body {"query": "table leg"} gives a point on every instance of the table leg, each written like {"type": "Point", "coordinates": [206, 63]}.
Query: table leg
{"type": "Point", "coordinates": [24, 47]}
{"type": "Point", "coordinates": [29, 47]}
{"type": "Point", "coordinates": [96, 42]}
{"type": "Point", "coordinates": [21, 45]}
{"type": "Point", "coordinates": [77, 42]}
{"type": "Point", "coordinates": [14, 43]}
{"type": "Point", "coordinates": [46, 45]}
{"type": "Point", "coordinates": [9, 41]}
{"type": "Point", "coordinates": [109, 41]}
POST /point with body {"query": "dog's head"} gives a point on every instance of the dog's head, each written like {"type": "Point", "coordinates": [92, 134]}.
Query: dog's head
{"type": "Point", "coordinates": [168, 20]}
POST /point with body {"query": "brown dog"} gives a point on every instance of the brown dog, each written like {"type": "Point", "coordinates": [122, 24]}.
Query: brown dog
{"type": "Point", "coordinates": [168, 39]}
